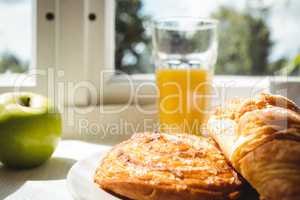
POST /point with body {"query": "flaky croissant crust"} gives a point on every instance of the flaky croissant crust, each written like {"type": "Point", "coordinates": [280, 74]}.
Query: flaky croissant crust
{"type": "Point", "coordinates": [260, 137]}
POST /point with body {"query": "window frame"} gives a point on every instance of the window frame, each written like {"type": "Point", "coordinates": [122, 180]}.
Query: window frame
{"type": "Point", "coordinates": [12, 82]}
{"type": "Point", "coordinates": [92, 52]}
{"type": "Point", "coordinates": [115, 85]}
{"type": "Point", "coordinates": [42, 55]}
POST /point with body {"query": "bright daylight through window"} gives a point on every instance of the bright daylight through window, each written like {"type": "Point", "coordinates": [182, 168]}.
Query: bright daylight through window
{"type": "Point", "coordinates": [15, 36]}
{"type": "Point", "coordinates": [256, 37]}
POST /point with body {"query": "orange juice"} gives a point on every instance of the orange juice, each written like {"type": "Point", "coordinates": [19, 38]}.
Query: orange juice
{"type": "Point", "coordinates": [183, 99]}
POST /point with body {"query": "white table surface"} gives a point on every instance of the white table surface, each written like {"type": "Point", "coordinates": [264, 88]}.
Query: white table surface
{"type": "Point", "coordinates": [47, 182]}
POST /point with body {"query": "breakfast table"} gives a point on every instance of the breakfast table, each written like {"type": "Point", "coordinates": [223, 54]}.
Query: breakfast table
{"type": "Point", "coordinates": [47, 182]}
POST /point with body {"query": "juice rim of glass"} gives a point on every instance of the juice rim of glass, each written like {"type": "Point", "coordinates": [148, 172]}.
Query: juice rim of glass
{"type": "Point", "coordinates": [185, 23]}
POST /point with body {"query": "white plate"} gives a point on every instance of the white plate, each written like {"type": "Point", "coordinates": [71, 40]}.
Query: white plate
{"type": "Point", "coordinates": [80, 180]}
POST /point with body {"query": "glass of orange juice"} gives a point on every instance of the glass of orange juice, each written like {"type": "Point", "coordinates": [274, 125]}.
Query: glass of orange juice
{"type": "Point", "coordinates": [185, 52]}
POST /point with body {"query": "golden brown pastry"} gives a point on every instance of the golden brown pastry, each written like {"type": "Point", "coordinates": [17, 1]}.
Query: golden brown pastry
{"type": "Point", "coordinates": [158, 166]}
{"type": "Point", "coordinates": [261, 138]}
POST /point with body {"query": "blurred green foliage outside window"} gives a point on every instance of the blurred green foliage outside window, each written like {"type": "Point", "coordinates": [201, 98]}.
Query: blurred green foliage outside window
{"type": "Point", "coordinates": [245, 42]}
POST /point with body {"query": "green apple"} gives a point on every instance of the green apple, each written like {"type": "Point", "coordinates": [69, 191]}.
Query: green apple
{"type": "Point", "coordinates": [30, 128]}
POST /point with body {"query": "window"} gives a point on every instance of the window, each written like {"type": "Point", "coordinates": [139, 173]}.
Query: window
{"type": "Point", "coordinates": [78, 47]}
{"type": "Point", "coordinates": [43, 47]}
{"type": "Point", "coordinates": [15, 36]}
{"type": "Point", "coordinates": [23, 31]}
{"type": "Point", "coordinates": [256, 37]}
{"type": "Point", "coordinates": [15, 43]}
{"type": "Point", "coordinates": [16, 39]}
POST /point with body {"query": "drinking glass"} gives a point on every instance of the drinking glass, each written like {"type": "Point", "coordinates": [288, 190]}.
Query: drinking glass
{"type": "Point", "coordinates": [185, 52]}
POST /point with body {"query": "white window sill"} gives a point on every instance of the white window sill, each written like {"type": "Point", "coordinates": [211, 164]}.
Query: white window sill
{"type": "Point", "coordinates": [17, 80]}
{"type": "Point", "coordinates": [117, 118]}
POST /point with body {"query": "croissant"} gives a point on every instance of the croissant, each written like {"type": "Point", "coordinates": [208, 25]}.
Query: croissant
{"type": "Point", "coordinates": [261, 139]}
